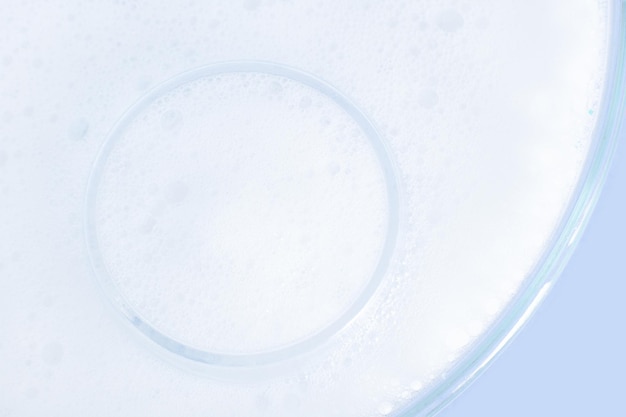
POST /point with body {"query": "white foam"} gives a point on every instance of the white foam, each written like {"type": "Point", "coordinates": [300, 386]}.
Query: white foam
{"type": "Point", "coordinates": [486, 109]}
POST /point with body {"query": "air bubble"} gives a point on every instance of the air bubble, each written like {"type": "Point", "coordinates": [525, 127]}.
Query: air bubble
{"type": "Point", "coordinates": [171, 120]}
{"type": "Point", "coordinates": [428, 98]}
{"type": "Point", "coordinates": [148, 225]}
{"type": "Point", "coordinates": [78, 129]}
{"type": "Point", "coordinates": [276, 88]}
{"type": "Point", "coordinates": [449, 20]}
{"type": "Point", "coordinates": [385, 409]}
{"type": "Point", "coordinates": [177, 192]}
{"type": "Point", "coordinates": [31, 393]}
{"type": "Point", "coordinates": [252, 4]}
{"type": "Point", "coordinates": [52, 353]}
{"type": "Point", "coordinates": [416, 386]}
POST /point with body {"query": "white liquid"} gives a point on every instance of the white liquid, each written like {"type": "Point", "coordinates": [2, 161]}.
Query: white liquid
{"type": "Point", "coordinates": [240, 246]}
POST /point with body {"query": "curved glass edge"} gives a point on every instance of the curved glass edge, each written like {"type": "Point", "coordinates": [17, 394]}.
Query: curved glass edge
{"type": "Point", "coordinates": [264, 358]}
{"type": "Point", "coordinates": [610, 123]}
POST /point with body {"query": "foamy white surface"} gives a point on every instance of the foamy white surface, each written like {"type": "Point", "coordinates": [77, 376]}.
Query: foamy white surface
{"type": "Point", "coordinates": [236, 200]}
{"type": "Point", "coordinates": [249, 211]}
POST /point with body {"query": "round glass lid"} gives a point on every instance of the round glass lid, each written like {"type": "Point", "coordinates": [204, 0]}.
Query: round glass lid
{"type": "Point", "coordinates": [281, 208]}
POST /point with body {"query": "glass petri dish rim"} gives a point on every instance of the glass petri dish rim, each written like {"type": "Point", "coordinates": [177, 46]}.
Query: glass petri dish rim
{"type": "Point", "coordinates": [610, 124]}
{"type": "Point", "coordinates": [203, 357]}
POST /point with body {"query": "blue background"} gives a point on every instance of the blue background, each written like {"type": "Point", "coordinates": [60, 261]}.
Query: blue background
{"type": "Point", "coordinates": [570, 359]}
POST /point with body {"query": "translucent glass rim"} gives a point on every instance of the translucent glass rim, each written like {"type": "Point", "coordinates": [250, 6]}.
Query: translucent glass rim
{"type": "Point", "coordinates": [271, 356]}
{"type": "Point", "coordinates": [609, 126]}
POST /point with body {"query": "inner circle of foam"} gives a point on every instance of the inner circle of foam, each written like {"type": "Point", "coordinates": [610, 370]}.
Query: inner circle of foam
{"type": "Point", "coordinates": [242, 213]}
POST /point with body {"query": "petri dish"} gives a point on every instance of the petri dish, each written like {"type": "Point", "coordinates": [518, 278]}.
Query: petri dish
{"type": "Point", "coordinates": [289, 208]}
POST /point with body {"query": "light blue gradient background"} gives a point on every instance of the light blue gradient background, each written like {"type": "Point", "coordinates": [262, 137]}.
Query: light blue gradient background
{"type": "Point", "coordinates": [570, 359]}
